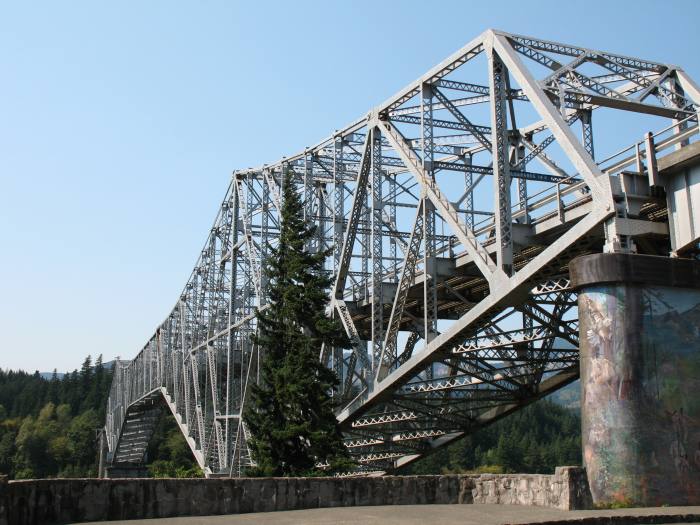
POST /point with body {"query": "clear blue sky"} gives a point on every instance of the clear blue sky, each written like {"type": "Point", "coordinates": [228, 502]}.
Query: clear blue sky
{"type": "Point", "coordinates": [120, 124]}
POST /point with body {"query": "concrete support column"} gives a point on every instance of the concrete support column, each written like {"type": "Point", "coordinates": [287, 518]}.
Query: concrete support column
{"type": "Point", "coordinates": [639, 321]}
{"type": "Point", "coordinates": [102, 455]}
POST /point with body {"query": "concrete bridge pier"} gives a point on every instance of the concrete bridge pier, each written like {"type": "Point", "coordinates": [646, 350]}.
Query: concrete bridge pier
{"type": "Point", "coordinates": [639, 319]}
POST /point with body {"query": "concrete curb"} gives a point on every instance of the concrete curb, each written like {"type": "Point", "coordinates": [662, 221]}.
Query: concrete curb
{"type": "Point", "coordinates": [620, 520]}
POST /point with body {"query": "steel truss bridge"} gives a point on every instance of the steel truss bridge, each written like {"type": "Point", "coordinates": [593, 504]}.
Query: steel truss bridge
{"type": "Point", "coordinates": [452, 210]}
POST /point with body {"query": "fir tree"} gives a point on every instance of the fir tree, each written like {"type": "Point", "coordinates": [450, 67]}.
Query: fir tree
{"type": "Point", "coordinates": [291, 412]}
{"type": "Point", "coordinates": [52, 396]}
{"type": "Point", "coordinates": [93, 397]}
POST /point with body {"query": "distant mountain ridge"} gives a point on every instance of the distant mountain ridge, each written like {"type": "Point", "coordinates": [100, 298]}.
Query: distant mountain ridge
{"type": "Point", "coordinates": [60, 375]}
{"type": "Point", "coordinates": [568, 397]}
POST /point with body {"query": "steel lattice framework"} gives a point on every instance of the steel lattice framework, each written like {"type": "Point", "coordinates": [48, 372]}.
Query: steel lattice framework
{"type": "Point", "coordinates": [452, 210]}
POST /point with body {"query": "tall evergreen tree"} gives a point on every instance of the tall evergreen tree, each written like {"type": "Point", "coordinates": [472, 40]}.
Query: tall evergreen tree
{"type": "Point", "coordinates": [93, 396]}
{"type": "Point", "coordinates": [291, 411]}
{"type": "Point", "coordinates": [54, 390]}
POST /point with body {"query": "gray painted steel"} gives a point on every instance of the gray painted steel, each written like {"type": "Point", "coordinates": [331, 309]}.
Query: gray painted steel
{"type": "Point", "coordinates": [450, 279]}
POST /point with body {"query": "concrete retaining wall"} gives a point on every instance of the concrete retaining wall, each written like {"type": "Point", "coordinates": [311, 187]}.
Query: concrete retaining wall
{"type": "Point", "coordinates": [47, 501]}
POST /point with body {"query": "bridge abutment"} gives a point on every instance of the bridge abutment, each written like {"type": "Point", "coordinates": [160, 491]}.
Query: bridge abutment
{"type": "Point", "coordinates": [639, 320]}
{"type": "Point", "coordinates": [126, 470]}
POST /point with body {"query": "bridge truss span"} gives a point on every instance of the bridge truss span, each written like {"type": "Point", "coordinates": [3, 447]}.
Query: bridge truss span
{"type": "Point", "coordinates": [452, 211]}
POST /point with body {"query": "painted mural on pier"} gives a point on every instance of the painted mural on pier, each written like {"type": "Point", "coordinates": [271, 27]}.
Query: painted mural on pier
{"type": "Point", "coordinates": [640, 369]}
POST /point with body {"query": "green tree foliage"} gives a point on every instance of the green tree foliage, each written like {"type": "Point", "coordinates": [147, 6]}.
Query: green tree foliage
{"type": "Point", "coordinates": [49, 427]}
{"type": "Point", "coordinates": [53, 444]}
{"type": "Point", "coordinates": [291, 416]}
{"type": "Point", "coordinates": [535, 440]}
{"type": "Point", "coordinates": [169, 454]}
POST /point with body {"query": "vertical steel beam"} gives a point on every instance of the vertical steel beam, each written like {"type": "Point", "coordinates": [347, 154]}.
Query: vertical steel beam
{"type": "Point", "coordinates": [587, 132]}
{"type": "Point", "coordinates": [308, 185]}
{"type": "Point", "coordinates": [322, 214]}
{"type": "Point", "coordinates": [522, 183]}
{"type": "Point", "coordinates": [231, 335]}
{"type": "Point", "coordinates": [429, 261]}
{"type": "Point", "coordinates": [501, 163]}
{"type": "Point", "coordinates": [338, 202]}
{"type": "Point", "coordinates": [393, 241]}
{"type": "Point", "coordinates": [338, 231]}
{"type": "Point", "coordinates": [469, 197]}
{"type": "Point", "coordinates": [377, 266]}
{"type": "Point", "coordinates": [265, 210]}
{"type": "Point", "coordinates": [185, 369]}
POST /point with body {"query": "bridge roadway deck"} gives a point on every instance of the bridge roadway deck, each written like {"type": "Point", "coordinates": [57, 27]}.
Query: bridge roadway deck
{"type": "Point", "coordinates": [421, 514]}
{"type": "Point", "coordinates": [459, 285]}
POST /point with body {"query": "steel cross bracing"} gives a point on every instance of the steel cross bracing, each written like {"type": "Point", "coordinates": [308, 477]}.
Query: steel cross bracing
{"type": "Point", "coordinates": [451, 212]}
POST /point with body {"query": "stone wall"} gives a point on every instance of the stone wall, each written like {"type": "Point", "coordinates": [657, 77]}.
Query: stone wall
{"type": "Point", "coordinates": [567, 489]}
{"type": "Point", "coordinates": [47, 501]}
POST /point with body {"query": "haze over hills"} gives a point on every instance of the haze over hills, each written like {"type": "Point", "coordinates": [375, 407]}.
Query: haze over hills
{"type": "Point", "coordinates": [48, 375]}
{"type": "Point", "coordinates": [568, 397]}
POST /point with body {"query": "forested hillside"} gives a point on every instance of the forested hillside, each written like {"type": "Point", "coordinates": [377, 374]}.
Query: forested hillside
{"type": "Point", "coordinates": [49, 428]}
{"type": "Point", "coordinates": [534, 440]}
